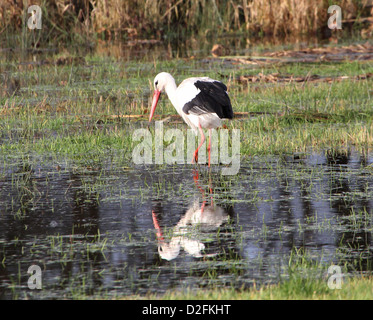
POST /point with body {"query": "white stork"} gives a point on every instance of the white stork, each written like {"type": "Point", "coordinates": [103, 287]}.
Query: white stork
{"type": "Point", "coordinates": [202, 103]}
{"type": "Point", "coordinates": [187, 231]}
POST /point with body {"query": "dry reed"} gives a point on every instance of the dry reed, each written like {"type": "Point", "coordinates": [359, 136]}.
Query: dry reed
{"type": "Point", "coordinates": [152, 18]}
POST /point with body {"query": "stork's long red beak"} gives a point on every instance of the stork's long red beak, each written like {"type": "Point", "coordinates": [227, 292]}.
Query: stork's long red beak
{"type": "Point", "coordinates": [154, 103]}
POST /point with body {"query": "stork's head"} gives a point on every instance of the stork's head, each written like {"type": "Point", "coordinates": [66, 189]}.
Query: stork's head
{"type": "Point", "coordinates": [160, 82]}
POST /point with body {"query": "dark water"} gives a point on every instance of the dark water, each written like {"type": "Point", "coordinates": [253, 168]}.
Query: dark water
{"type": "Point", "coordinates": [116, 231]}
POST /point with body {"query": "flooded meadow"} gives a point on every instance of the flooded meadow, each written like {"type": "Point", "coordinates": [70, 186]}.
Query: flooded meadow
{"type": "Point", "coordinates": [74, 203]}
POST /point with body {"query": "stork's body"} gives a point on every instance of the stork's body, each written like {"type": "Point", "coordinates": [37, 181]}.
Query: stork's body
{"type": "Point", "coordinates": [201, 102]}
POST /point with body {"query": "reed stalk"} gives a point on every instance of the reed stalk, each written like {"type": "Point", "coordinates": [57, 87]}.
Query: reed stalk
{"type": "Point", "coordinates": [154, 18]}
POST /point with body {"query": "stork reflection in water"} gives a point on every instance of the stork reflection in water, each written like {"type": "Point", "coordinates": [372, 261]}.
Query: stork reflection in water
{"type": "Point", "coordinates": [186, 234]}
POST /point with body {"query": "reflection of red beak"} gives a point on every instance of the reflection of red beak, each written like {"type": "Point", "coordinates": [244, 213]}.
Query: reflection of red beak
{"type": "Point", "coordinates": [157, 227]}
{"type": "Point", "coordinates": [154, 103]}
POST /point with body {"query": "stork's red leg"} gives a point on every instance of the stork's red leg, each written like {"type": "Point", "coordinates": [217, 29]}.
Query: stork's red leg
{"type": "Point", "coordinates": [196, 181]}
{"type": "Point", "coordinates": [209, 147]}
{"type": "Point", "coordinates": [211, 192]}
{"type": "Point", "coordinates": [195, 156]}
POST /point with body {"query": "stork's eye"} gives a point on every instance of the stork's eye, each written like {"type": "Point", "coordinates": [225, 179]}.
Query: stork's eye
{"type": "Point", "coordinates": [156, 83]}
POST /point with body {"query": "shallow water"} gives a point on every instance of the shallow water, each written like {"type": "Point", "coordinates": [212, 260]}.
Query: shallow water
{"type": "Point", "coordinates": [115, 230]}
{"type": "Point", "coordinates": [137, 230]}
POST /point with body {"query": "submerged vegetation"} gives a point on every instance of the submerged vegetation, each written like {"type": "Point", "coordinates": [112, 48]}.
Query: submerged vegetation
{"type": "Point", "coordinates": [66, 162]}
{"type": "Point", "coordinates": [73, 201]}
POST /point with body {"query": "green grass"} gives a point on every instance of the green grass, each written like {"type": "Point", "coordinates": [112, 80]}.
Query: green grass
{"type": "Point", "coordinates": [304, 278]}
{"type": "Point", "coordinates": [58, 107]}
{"type": "Point", "coordinates": [357, 288]}
{"type": "Point", "coordinates": [62, 117]}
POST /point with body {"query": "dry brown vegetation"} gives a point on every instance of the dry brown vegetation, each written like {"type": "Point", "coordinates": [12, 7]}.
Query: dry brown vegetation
{"type": "Point", "coordinates": [153, 18]}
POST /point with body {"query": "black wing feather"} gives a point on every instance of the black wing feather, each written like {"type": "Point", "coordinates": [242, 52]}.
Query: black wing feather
{"type": "Point", "coordinates": [213, 98]}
